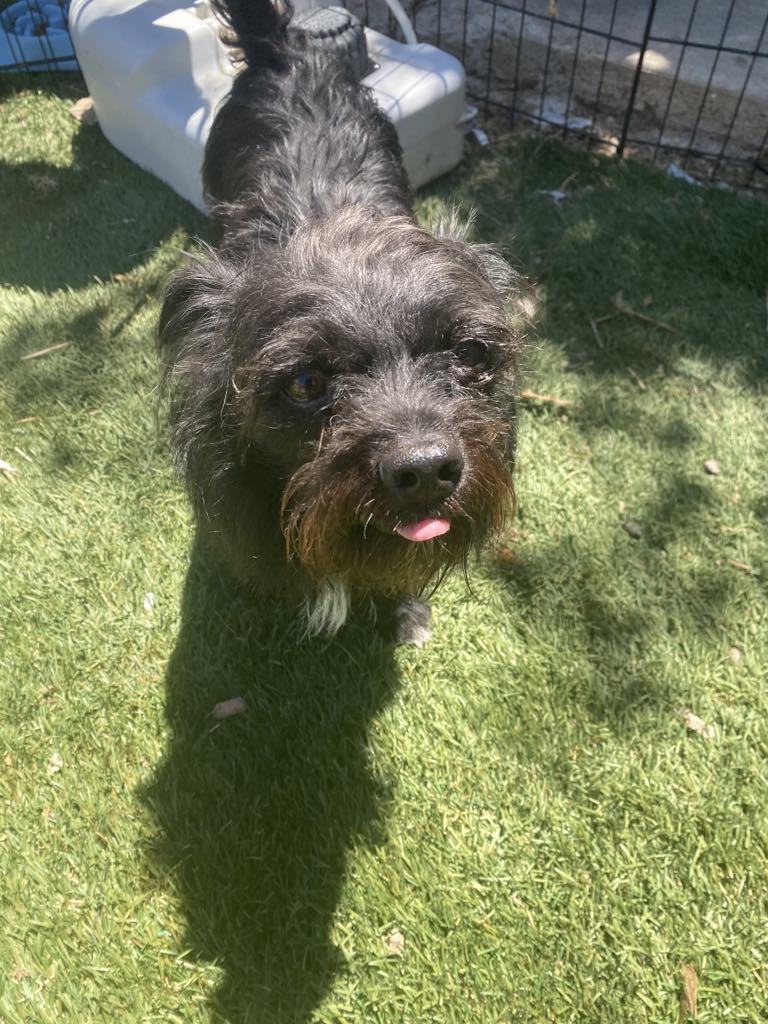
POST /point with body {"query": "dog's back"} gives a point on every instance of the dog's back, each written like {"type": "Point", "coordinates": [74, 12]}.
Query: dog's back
{"type": "Point", "coordinates": [297, 137]}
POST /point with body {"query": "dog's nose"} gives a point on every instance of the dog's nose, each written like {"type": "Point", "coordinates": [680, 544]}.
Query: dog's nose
{"type": "Point", "coordinates": [421, 475]}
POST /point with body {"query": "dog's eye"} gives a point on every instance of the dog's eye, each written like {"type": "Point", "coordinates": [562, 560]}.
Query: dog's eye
{"type": "Point", "coordinates": [471, 353]}
{"type": "Point", "coordinates": [306, 388]}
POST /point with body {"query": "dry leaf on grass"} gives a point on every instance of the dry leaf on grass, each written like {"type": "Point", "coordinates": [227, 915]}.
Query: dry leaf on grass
{"type": "Point", "coordinates": [506, 554]}
{"type": "Point", "coordinates": [695, 724]}
{"type": "Point", "coordinates": [43, 183]}
{"type": "Point", "coordinates": [120, 277]}
{"type": "Point", "coordinates": [395, 943]}
{"type": "Point", "coordinates": [688, 992]}
{"type": "Point", "coordinates": [554, 195]}
{"type": "Point", "coordinates": [84, 111]}
{"type": "Point", "coordinates": [227, 708]}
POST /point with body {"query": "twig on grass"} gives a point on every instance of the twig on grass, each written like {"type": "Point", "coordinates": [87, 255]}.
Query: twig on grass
{"type": "Point", "coordinates": [532, 396]}
{"type": "Point", "coordinates": [637, 379]}
{"type": "Point", "coordinates": [45, 351]}
{"type": "Point", "coordinates": [598, 339]}
{"type": "Point", "coordinates": [742, 567]}
{"type": "Point", "coordinates": [627, 310]}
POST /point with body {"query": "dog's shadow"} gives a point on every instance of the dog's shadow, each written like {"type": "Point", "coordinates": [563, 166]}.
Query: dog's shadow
{"type": "Point", "coordinates": [256, 816]}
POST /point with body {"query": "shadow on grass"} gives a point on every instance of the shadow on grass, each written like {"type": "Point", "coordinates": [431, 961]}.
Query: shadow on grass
{"type": "Point", "coordinates": [64, 226]}
{"type": "Point", "coordinates": [69, 228]}
{"type": "Point", "coordinates": [604, 610]}
{"type": "Point", "coordinates": [257, 815]}
{"type": "Point", "coordinates": [100, 355]}
{"type": "Point", "coordinates": [623, 414]}
{"type": "Point", "coordinates": [603, 636]}
{"type": "Point", "coordinates": [692, 258]}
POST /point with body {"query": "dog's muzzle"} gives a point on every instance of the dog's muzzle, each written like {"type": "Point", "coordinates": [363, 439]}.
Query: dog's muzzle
{"type": "Point", "coordinates": [421, 476]}
{"type": "Point", "coordinates": [418, 478]}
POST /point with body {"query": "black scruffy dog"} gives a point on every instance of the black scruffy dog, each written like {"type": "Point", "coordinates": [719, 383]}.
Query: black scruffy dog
{"type": "Point", "coordinates": [341, 380]}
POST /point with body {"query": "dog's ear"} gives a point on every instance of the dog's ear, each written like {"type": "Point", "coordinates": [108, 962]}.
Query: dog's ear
{"type": "Point", "coordinates": [451, 226]}
{"type": "Point", "coordinates": [192, 340]}
{"type": "Point", "coordinates": [197, 302]}
{"type": "Point", "coordinates": [494, 267]}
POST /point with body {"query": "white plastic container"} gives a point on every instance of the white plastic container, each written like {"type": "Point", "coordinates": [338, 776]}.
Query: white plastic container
{"type": "Point", "coordinates": [157, 74]}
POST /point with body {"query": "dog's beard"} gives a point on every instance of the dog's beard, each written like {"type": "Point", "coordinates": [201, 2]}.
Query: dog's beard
{"type": "Point", "coordinates": [336, 523]}
{"type": "Point", "coordinates": [412, 336]}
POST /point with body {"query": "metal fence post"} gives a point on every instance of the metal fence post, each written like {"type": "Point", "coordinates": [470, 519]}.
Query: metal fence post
{"type": "Point", "coordinates": [636, 79]}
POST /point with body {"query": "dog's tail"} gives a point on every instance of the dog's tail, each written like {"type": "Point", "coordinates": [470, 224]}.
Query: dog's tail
{"type": "Point", "coordinates": [257, 27]}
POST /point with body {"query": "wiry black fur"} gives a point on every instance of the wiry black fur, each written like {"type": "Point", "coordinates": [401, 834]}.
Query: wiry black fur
{"type": "Point", "coordinates": [320, 265]}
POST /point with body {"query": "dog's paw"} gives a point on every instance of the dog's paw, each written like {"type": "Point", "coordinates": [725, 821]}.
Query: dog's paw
{"type": "Point", "coordinates": [409, 623]}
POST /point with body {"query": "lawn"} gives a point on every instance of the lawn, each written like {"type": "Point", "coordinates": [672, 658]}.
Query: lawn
{"type": "Point", "coordinates": [512, 825]}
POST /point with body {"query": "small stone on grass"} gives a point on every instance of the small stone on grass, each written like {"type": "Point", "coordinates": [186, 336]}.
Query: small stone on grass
{"type": "Point", "coordinates": [633, 528]}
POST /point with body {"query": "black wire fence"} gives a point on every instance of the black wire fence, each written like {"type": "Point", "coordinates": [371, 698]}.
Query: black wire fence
{"type": "Point", "coordinates": [34, 36]}
{"type": "Point", "coordinates": [682, 82]}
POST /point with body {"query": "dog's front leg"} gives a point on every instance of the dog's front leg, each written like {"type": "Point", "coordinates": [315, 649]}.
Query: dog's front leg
{"type": "Point", "coordinates": [404, 620]}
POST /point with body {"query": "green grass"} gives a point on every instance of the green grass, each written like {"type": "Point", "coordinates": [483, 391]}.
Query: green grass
{"type": "Point", "coordinates": [521, 799]}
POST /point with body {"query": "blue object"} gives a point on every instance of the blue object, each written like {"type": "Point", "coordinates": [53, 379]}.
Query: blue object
{"type": "Point", "coordinates": [35, 33]}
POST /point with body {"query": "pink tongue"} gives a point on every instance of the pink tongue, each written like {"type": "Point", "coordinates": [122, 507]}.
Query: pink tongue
{"type": "Point", "coordinates": [425, 529]}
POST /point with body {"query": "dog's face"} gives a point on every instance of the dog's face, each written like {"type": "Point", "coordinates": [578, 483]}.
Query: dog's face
{"type": "Point", "coordinates": [369, 367]}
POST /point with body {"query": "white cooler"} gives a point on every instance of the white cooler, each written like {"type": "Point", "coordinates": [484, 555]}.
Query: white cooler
{"type": "Point", "coordinates": [157, 74]}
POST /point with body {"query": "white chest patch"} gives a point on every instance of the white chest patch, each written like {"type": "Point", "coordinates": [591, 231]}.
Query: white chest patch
{"type": "Point", "coordinates": [327, 612]}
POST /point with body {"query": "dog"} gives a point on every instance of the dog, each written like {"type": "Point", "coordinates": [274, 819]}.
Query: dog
{"type": "Point", "coordinates": [342, 381]}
